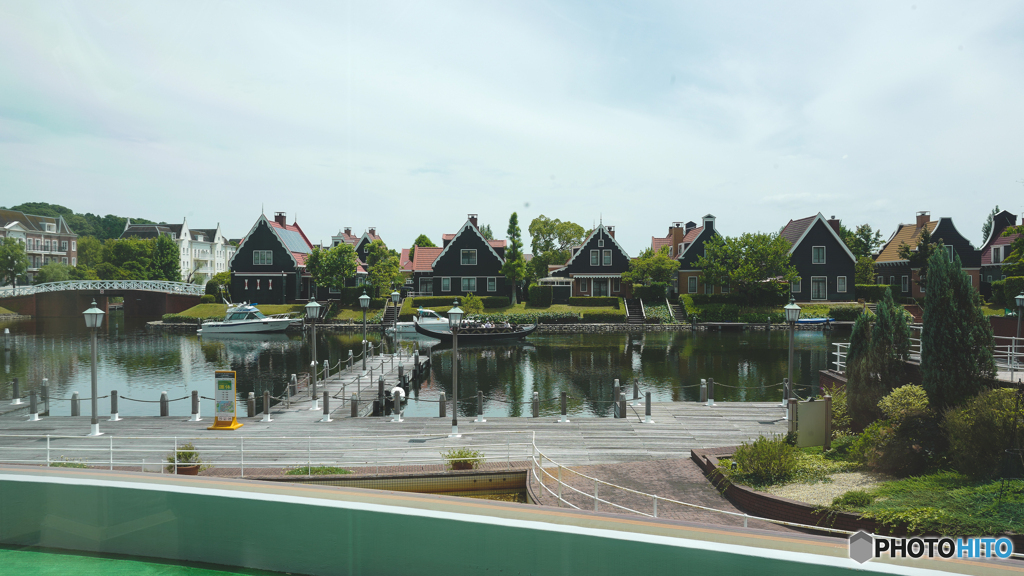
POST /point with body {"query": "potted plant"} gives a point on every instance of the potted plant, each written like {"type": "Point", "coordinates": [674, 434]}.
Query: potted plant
{"type": "Point", "coordinates": [187, 459]}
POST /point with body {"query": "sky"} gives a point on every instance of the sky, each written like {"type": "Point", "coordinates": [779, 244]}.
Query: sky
{"type": "Point", "coordinates": [407, 116]}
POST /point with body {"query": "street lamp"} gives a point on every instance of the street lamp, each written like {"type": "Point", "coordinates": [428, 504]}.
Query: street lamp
{"type": "Point", "coordinates": [93, 319]}
{"type": "Point", "coordinates": [1020, 308]}
{"type": "Point", "coordinates": [792, 315]}
{"type": "Point", "coordinates": [364, 302]}
{"type": "Point", "coordinates": [394, 318]}
{"type": "Point", "coordinates": [312, 313]}
{"type": "Point", "coordinates": [454, 321]}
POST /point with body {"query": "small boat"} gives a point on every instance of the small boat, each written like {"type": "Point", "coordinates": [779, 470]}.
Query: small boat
{"type": "Point", "coordinates": [426, 318]}
{"type": "Point", "coordinates": [473, 333]}
{"type": "Point", "coordinates": [815, 320]}
{"type": "Point", "coordinates": [247, 319]}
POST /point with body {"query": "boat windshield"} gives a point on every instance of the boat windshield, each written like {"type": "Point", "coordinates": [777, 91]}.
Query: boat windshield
{"type": "Point", "coordinates": [428, 314]}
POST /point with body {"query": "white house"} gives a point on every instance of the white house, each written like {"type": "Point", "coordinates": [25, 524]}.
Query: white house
{"type": "Point", "coordinates": [203, 251]}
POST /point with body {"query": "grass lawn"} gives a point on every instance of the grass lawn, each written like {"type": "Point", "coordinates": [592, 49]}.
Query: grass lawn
{"type": "Point", "coordinates": [5, 311]}
{"type": "Point", "coordinates": [352, 313]}
{"type": "Point", "coordinates": [218, 310]}
{"type": "Point", "coordinates": [990, 310]}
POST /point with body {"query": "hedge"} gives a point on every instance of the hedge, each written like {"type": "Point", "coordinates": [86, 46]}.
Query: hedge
{"type": "Point", "coordinates": [1004, 292]}
{"type": "Point", "coordinates": [871, 292]}
{"type": "Point", "coordinates": [845, 313]}
{"type": "Point", "coordinates": [595, 301]}
{"type": "Point", "coordinates": [434, 301]}
{"type": "Point", "coordinates": [655, 292]}
{"type": "Point", "coordinates": [604, 316]}
{"type": "Point", "coordinates": [540, 296]}
{"type": "Point", "coordinates": [208, 299]}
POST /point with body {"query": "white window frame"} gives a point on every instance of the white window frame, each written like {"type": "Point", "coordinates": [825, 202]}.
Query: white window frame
{"type": "Point", "coordinates": [64, 260]}
{"type": "Point", "coordinates": [74, 261]}
{"type": "Point", "coordinates": [905, 283]}
{"type": "Point", "coordinates": [797, 286]}
{"type": "Point", "coordinates": [600, 243]}
{"type": "Point", "coordinates": [262, 257]}
{"type": "Point", "coordinates": [74, 246]}
{"type": "Point", "coordinates": [616, 285]}
{"type": "Point", "coordinates": [606, 258]}
{"type": "Point", "coordinates": [997, 250]}
{"type": "Point", "coordinates": [725, 288]}
{"type": "Point", "coordinates": [880, 280]}
{"type": "Point", "coordinates": [595, 257]}
{"type": "Point", "coordinates": [682, 248]}
{"type": "Point", "coordinates": [446, 284]}
{"type": "Point", "coordinates": [813, 260]}
{"type": "Point", "coordinates": [492, 284]}
{"type": "Point", "coordinates": [468, 251]}
{"type": "Point", "coordinates": [840, 284]}
{"type": "Point", "coordinates": [63, 245]}
{"type": "Point", "coordinates": [468, 284]}
{"type": "Point", "coordinates": [691, 285]}
{"type": "Point", "coordinates": [989, 277]}
{"type": "Point", "coordinates": [823, 279]}
{"type": "Point", "coordinates": [584, 285]}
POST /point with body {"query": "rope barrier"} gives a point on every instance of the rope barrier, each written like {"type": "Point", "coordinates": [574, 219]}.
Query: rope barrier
{"type": "Point", "coordinates": [51, 399]}
{"type": "Point", "coordinates": [150, 401]}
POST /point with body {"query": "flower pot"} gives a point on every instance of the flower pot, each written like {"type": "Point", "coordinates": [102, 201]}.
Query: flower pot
{"type": "Point", "coordinates": [192, 470]}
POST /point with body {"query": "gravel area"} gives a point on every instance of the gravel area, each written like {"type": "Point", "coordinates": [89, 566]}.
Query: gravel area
{"type": "Point", "coordinates": [822, 493]}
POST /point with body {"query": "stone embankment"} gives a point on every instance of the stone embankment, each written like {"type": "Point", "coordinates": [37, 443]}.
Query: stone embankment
{"type": "Point", "coordinates": [542, 329]}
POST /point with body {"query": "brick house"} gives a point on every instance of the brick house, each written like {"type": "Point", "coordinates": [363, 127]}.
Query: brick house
{"type": "Point", "coordinates": [686, 244]}
{"type": "Point", "coordinates": [895, 271]}
{"type": "Point", "coordinates": [46, 239]}
{"type": "Point", "coordinates": [995, 250]}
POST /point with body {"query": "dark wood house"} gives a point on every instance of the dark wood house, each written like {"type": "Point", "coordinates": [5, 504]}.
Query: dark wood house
{"type": "Point", "coordinates": [466, 263]}
{"type": "Point", "coordinates": [596, 267]}
{"type": "Point", "coordinates": [686, 244]}
{"type": "Point", "coordinates": [269, 266]}
{"type": "Point", "coordinates": [826, 266]}
{"type": "Point", "coordinates": [894, 270]}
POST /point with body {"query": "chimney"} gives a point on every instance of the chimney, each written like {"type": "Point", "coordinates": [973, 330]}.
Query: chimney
{"type": "Point", "coordinates": [709, 222]}
{"type": "Point", "coordinates": [472, 220]}
{"type": "Point", "coordinates": [611, 230]}
{"type": "Point", "coordinates": [677, 224]}
{"type": "Point", "coordinates": [690, 225]}
{"type": "Point", "coordinates": [348, 230]}
{"type": "Point", "coordinates": [280, 218]}
{"type": "Point", "coordinates": [373, 231]}
{"type": "Point", "coordinates": [923, 218]}
{"type": "Point", "coordinates": [834, 224]}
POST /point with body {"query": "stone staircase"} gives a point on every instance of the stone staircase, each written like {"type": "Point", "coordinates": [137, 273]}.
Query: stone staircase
{"type": "Point", "coordinates": [391, 313]}
{"type": "Point", "coordinates": [678, 313]}
{"type": "Point", "coordinates": [634, 312]}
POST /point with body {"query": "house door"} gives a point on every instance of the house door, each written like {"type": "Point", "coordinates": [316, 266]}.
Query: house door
{"type": "Point", "coordinates": [819, 290]}
{"type": "Point", "coordinates": [601, 288]}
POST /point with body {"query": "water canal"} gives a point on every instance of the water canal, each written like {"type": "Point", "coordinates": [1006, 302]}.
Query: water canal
{"type": "Point", "coordinates": [141, 364]}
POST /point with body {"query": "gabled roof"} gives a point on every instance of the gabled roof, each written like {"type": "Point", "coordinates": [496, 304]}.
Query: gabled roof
{"type": "Point", "coordinates": [147, 231]}
{"type": "Point", "coordinates": [1000, 222]}
{"type": "Point", "coordinates": [33, 223]}
{"type": "Point", "coordinates": [659, 243]}
{"type": "Point", "coordinates": [404, 262]}
{"type": "Point", "coordinates": [577, 250]}
{"type": "Point", "coordinates": [800, 228]}
{"type": "Point", "coordinates": [906, 234]}
{"type": "Point", "coordinates": [291, 237]}
{"type": "Point", "coordinates": [423, 259]}
{"type": "Point", "coordinates": [467, 226]}
{"type": "Point", "coordinates": [688, 240]}
{"type": "Point", "coordinates": [493, 243]}
{"type": "Point", "coordinates": [986, 254]}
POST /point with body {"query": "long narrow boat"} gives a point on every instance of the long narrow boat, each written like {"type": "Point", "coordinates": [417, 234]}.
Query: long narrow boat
{"type": "Point", "coordinates": [476, 334]}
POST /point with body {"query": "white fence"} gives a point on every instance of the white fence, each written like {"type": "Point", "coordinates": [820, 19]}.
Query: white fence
{"type": "Point", "coordinates": [116, 285]}
{"type": "Point", "coordinates": [1007, 351]}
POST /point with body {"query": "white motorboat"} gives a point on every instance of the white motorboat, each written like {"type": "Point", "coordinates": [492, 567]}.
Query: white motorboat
{"type": "Point", "coordinates": [426, 318]}
{"type": "Point", "coordinates": [247, 319]}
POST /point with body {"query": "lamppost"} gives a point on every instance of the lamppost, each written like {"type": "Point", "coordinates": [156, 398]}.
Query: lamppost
{"type": "Point", "coordinates": [394, 318]}
{"type": "Point", "coordinates": [1020, 308]}
{"type": "Point", "coordinates": [93, 319]}
{"type": "Point", "coordinates": [364, 302]}
{"type": "Point", "coordinates": [454, 322]}
{"type": "Point", "coordinates": [792, 315]}
{"type": "Point", "coordinates": [312, 313]}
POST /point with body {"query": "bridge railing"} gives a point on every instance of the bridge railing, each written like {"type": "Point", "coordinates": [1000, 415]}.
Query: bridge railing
{"type": "Point", "coordinates": [69, 285]}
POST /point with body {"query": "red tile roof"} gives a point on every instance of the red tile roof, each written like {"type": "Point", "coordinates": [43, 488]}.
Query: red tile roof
{"type": "Point", "coordinates": [659, 243]}
{"type": "Point", "coordinates": [423, 260]}
{"type": "Point", "coordinates": [692, 234]}
{"type": "Point", "coordinates": [404, 261]}
{"type": "Point", "coordinates": [497, 243]}
{"type": "Point", "coordinates": [986, 255]}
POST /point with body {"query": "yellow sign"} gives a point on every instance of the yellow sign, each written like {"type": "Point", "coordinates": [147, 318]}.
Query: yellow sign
{"type": "Point", "coordinates": [226, 399]}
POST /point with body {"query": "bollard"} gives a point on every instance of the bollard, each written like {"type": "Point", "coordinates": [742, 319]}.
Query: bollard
{"type": "Point", "coordinates": [250, 405]}
{"type": "Point", "coordinates": [785, 392]}
{"type": "Point", "coordinates": [45, 388]}
{"type": "Point", "coordinates": [266, 407]}
{"type": "Point", "coordinates": [703, 391]}
{"type": "Point", "coordinates": [401, 374]}
{"type": "Point", "coordinates": [479, 407]}
{"type": "Point", "coordinates": [312, 384]}
{"type": "Point", "coordinates": [380, 394]}
{"type": "Point", "coordinates": [351, 358]}
{"type": "Point", "coordinates": [327, 407]}
{"type": "Point", "coordinates": [195, 407]}
{"type": "Point", "coordinates": [165, 404]}
{"type": "Point", "coordinates": [622, 404]}
{"type": "Point", "coordinates": [442, 403]}
{"type": "Point", "coordinates": [76, 404]}
{"type": "Point", "coordinates": [647, 409]}
{"type": "Point", "coordinates": [33, 410]}
{"type": "Point", "coordinates": [416, 362]}
{"type": "Point", "coordinates": [396, 404]}
{"type": "Point", "coordinates": [536, 404]}
{"type": "Point", "coordinates": [113, 407]}
{"type": "Point", "coordinates": [792, 415]}
{"type": "Point", "coordinates": [711, 391]}
{"type": "Point", "coordinates": [636, 393]}
{"type": "Point", "coordinates": [327, 370]}
{"type": "Point", "coordinates": [615, 400]}
{"type": "Point", "coordinates": [355, 405]}
{"type": "Point", "coordinates": [293, 385]}
{"type": "Point", "coordinates": [16, 394]}
{"type": "Point", "coordinates": [565, 407]}
{"type": "Point", "coordinates": [7, 338]}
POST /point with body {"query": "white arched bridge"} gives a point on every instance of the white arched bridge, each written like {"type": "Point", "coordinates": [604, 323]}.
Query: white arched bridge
{"type": "Point", "coordinates": [147, 298]}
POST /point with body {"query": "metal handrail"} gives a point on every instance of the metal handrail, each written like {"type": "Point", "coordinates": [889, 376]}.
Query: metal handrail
{"type": "Point", "coordinates": [146, 285]}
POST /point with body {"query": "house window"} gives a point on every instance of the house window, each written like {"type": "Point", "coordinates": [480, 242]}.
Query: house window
{"type": "Point", "coordinates": [64, 260]}
{"type": "Point", "coordinates": [46, 244]}
{"type": "Point", "coordinates": [881, 280]}
{"type": "Point", "coordinates": [892, 280]}
{"type": "Point", "coordinates": [584, 284]}
{"type": "Point", "coordinates": [841, 284]}
{"type": "Point", "coordinates": [64, 246]}
{"type": "Point", "coordinates": [997, 254]}
{"type": "Point", "coordinates": [709, 288]}
{"type": "Point", "coordinates": [725, 288]}
{"type": "Point", "coordinates": [257, 283]}
{"type": "Point", "coordinates": [796, 285]}
{"type": "Point", "coordinates": [74, 246]}
{"type": "Point", "coordinates": [607, 258]}
{"type": "Point", "coordinates": [669, 251]}
{"type": "Point", "coordinates": [469, 257]}
{"type": "Point", "coordinates": [469, 284]}
{"type": "Point", "coordinates": [691, 284]}
{"type": "Point", "coordinates": [492, 284]}
{"type": "Point", "coordinates": [616, 285]}
{"type": "Point", "coordinates": [73, 261]}
{"type": "Point", "coordinates": [446, 284]}
{"type": "Point", "coordinates": [263, 257]}
{"type": "Point", "coordinates": [817, 255]}
{"type": "Point", "coordinates": [819, 288]}
{"type": "Point", "coordinates": [427, 285]}
{"type": "Point", "coordinates": [949, 252]}
{"type": "Point", "coordinates": [595, 257]}
{"type": "Point", "coordinates": [905, 284]}
{"type": "Point", "coordinates": [333, 290]}
{"type": "Point", "coordinates": [989, 279]}
{"type": "Point", "coordinates": [682, 247]}
{"type": "Point", "coordinates": [600, 243]}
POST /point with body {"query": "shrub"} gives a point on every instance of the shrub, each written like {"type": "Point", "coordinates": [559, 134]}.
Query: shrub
{"type": "Point", "coordinates": [594, 301]}
{"type": "Point", "coordinates": [840, 411]}
{"type": "Point", "coordinates": [655, 292]}
{"type": "Point", "coordinates": [186, 455]}
{"type": "Point", "coordinates": [909, 447]}
{"type": "Point", "coordinates": [852, 499]}
{"type": "Point", "coordinates": [719, 313]}
{"type": "Point", "coordinates": [871, 292]}
{"type": "Point", "coordinates": [686, 302]}
{"type": "Point", "coordinates": [463, 459]}
{"type": "Point", "coordinates": [471, 304]}
{"type": "Point", "coordinates": [212, 288]}
{"type": "Point", "coordinates": [207, 299]}
{"type": "Point", "coordinates": [763, 317]}
{"type": "Point", "coordinates": [845, 313]}
{"type": "Point", "coordinates": [1004, 291]}
{"type": "Point", "coordinates": [909, 400]}
{"type": "Point", "coordinates": [495, 301]}
{"type": "Point", "coordinates": [868, 444]}
{"type": "Point", "coordinates": [540, 296]}
{"type": "Point", "coordinates": [767, 460]}
{"type": "Point", "coordinates": [659, 313]}
{"type": "Point", "coordinates": [842, 445]}
{"type": "Point", "coordinates": [317, 471]}
{"type": "Point", "coordinates": [980, 431]}
{"type": "Point", "coordinates": [604, 316]}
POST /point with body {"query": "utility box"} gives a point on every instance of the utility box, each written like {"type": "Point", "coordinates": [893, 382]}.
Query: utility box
{"type": "Point", "coordinates": [814, 419]}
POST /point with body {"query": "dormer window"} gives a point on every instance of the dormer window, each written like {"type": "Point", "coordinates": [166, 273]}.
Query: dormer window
{"type": "Point", "coordinates": [997, 254]}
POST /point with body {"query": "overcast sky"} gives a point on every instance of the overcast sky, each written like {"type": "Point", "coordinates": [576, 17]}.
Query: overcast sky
{"type": "Point", "coordinates": [409, 115]}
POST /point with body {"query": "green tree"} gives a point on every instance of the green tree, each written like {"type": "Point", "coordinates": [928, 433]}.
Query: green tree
{"type": "Point", "coordinates": [552, 242]}
{"type": "Point", "coordinates": [1013, 264]}
{"type": "Point", "coordinates": [920, 256]}
{"type": "Point", "coordinates": [13, 260]}
{"type": "Point", "coordinates": [53, 272]}
{"type": "Point", "coordinates": [166, 260]}
{"type": "Point", "coordinates": [751, 263]}
{"type": "Point", "coordinates": [514, 268]}
{"type": "Point", "coordinates": [876, 363]}
{"type": "Point", "coordinates": [421, 240]}
{"type": "Point", "coordinates": [485, 231]}
{"type": "Point", "coordinates": [42, 209]}
{"type": "Point", "coordinates": [986, 228]}
{"type": "Point", "coordinates": [132, 256]}
{"type": "Point", "coordinates": [863, 241]}
{"type": "Point", "coordinates": [651, 267]}
{"type": "Point", "coordinates": [956, 338]}
{"type": "Point", "coordinates": [385, 269]}
{"type": "Point", "coordinates": [865, 270]}
{"type": "Point", "coordinates": [81, 272]}
{"type": "Point", "coordinates": [90, 251]}
{"type": "Point", "coordinates": [332, 267]}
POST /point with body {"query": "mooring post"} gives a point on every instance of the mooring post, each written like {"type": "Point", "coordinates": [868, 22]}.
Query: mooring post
{"type": "Point", "coordinates": [565, 408]}
{"type": "Point", "coordinates": [45, 388]}
{"type": "Point", "coordinates": [396, 405]}
{"type": "Point", "coordinates": [785, 392]}
{"type": "Point", "coordinates": [195, 407]}
{"type": "Point", "coordinates": [380, 394]}
{"type": "Point", "coordinates": [76, 404]}
{"type": "Point", "coordinates": [327, 370]}
{"type": "Point", "coordinates": [327, 407]}
{"type": "Point", "coordinates": [113, 407]}
{"type": "Point", "coordinates": [250, 405]}
{"type": "Point", "coordinates": [792, 415]}
{"type": "Point", "coordinates": [703, 391]}
{"type": "Point", "coordinates": [351, 358]}
{"type": "Point", "coordinates": [479, 406]}
{"type": "Point", "coordinates": [293, 385]}
{"type": "Point", "coordinates": [355, 406]}
{"type": "Point", "coordinates": [622, 404]}
{"type": "Point", "coordinates": [33, 410]}
{"type": "Point", "coordinates": [266, 407]}
{"type": "Point", "coordinates": [636, 393]}
{"type": "Point", "coordinates": [442, 403]}
{"type": "Point", "coordinates": [16, 393]}
{"type": "Point", "coordinates": [711, 391]}
{"type": "Point", "coordinates": [312, 389]}
{"type": "Point", "coordinates": [401, 374]}
{"type": "Point", "coordinates": [416, 363]}
{"type": "Point", "coordinates": [647, 409]}
{"type": "Point", "coordinates": [536, 404]}
{"type": "Point", "coordinates": [615, 400]}
{"type": "Point", "coordinates": [7, 338]}
{"type": "Point", "coordinates": [165, 404]}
